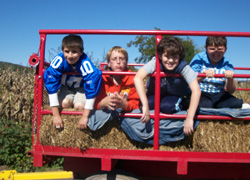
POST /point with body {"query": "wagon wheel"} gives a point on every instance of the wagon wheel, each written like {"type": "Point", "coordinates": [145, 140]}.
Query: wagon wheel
{"type": "Point", "coordinates": [113, 175]}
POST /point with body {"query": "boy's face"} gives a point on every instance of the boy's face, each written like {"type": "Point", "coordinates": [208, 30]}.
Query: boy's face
{"type": "Point", "coordinates": [170, 62]}
{"type": "Point", "coordinates": [215, 53]}
{"type": "Point", "coordinates": [72, 55]}
{"type": "Point", "coordinates": [117, 61]}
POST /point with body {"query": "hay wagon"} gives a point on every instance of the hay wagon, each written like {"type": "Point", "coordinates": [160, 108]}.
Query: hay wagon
{"type": "Point", "coordinates": [145, 163]}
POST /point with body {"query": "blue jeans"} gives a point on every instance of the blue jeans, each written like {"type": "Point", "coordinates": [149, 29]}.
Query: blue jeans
{"type": "Point", "coordinates": [97, 118]}
{"type": "Point", "coordinates": [219, 100]}
{"type": "Point", "coordinates": [236, 113]}
{"type": "Point", "coordinates": [170, 130]}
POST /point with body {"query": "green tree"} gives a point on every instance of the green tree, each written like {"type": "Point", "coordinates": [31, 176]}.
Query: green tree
{"type": "Point", "coordinates": [146, 46]}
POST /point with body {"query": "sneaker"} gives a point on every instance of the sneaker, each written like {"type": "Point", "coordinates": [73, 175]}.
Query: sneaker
{"type": "Point", "coordinates": [245, 106]}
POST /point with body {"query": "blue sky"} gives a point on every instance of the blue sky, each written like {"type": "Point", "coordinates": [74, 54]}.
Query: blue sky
{"type": "Point", "coordinates": [21, 20]}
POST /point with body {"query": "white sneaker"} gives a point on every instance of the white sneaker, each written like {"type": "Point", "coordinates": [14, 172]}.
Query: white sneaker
{"type": "Point", "coordinates": [245, 106]}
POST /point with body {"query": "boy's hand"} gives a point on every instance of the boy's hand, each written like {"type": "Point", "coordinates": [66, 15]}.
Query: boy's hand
{"type": "Point", "coordinates": [229, 74]}
{"type": "Point", "coordinates": [57, 122]}
{"type": "Point", "coordinates": [82, 124]}
{"type": "Point", "coordinates": [145, 114]}
{"type": "Point", "coordinates": [188, 127]}
{"type": "Point", "coordinates": [120, 101]}
{"type": "Point", "coordinates": [209, 73]}
{"type": "Point", "coordinates": [108, 102]}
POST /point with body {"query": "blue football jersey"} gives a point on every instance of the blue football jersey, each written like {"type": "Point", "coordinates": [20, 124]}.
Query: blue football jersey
{"type": "Point", "coordinates": [89, 76]}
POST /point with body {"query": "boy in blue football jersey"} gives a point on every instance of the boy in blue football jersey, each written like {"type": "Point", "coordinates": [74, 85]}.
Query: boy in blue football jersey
{"type": "Point", "coordinates": [73, 88]}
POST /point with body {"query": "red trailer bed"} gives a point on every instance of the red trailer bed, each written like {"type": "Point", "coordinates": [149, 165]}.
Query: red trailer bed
{"type": "Point", "coordinates": [143, 163]}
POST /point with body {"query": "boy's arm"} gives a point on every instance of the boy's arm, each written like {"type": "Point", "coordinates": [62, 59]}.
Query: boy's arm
{"type": "Point", "coordinates": [52, 79]}
{"type": "Point", "coordinates": [139, 85]}
{"type": "Point", "coordinates": [199, 79]}
{"type": "Point", "coordinates": [196, 65]}
{"type": "Point", "coordinates": [92, 87]}
{"type": "Point", "coordinates": [57, 119]}
{"type": "Point", "coordinates": [84, 119]}
{"type": "Point", "coordinates": [54, 104]}
{"type": "Point", "coordinates": [82, 124]}
{"type": "Point", "coordinates": [230, 84]}
{"type": "Point", "coordinates": [133, 100]}
{"type": "Point", "coordinates": [99, 104]}
{"type": "Point", "coordinates": [194, 102]}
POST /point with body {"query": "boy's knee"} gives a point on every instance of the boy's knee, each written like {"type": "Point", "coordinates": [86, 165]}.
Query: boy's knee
{"type": "Point", "coordinates": [168, 108]}
{"type": "Point", "coordinates": [79, 106]}
{"type": "Point", "coordinates": [206, 104]}
{"type": "Point", "coordinates": [66, 103]}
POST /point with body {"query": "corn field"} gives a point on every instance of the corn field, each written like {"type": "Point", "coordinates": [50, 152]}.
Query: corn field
{"type": "Point", "coordinates": [16, 93]}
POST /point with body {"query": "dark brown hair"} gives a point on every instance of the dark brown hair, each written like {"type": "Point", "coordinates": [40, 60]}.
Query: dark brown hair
{"type": "Point", "coordinates": [171, 45]}
{"type": "Point", "coordinates": [216, 41]}
{"type": "Point", "coordinates": [72, 41]}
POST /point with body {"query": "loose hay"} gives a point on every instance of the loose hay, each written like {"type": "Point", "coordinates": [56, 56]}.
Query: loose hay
{"type": "Point", "coordinates": [69, 136]}
{"type": "Point", "coordinates": [222, 136]}
{"type": "Point", "coordinates": [210, 136]}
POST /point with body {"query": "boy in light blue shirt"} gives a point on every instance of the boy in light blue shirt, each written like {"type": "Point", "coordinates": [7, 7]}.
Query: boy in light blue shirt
{"type": "Point", "coordinates": [212, 62]}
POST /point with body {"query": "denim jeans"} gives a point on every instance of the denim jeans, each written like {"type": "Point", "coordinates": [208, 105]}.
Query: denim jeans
{"type": "Point", "coordinates": [97, 118]}
{"type": "Point", "coordinates": [236, 113]}
{"type": "Point", "coordinates": [170, 130]}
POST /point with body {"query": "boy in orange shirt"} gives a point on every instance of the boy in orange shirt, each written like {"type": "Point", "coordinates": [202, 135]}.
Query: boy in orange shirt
{"type": "Point", "coordinates": [118, 91]}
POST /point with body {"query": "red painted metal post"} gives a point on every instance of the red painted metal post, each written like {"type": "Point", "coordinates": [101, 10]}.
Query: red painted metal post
{"type": "Point", "coordinates": [38, 159]}
{"type": "Point", "coordinates": [102, 66]}
{"type": "Point", "coordinates": [157, 97]}
{"type": "Point", "coordinates": [40, 84]}
{"type": "Point", "coordinates": [34, 128]}
{"type": "Point", "coordinates": [182, 167]}
{"type": "Point", "coordinates": [106, 164]}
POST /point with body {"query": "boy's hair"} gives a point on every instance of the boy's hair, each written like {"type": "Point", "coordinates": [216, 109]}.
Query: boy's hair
{"type": "Point", "coordinates": [119, 49]}
{"type": "Point", "coordinates": [216, 41]}
{"type": "Point", "coordinates": [171, 45]}
{"type": "Point", "coordinates": [72, 41]}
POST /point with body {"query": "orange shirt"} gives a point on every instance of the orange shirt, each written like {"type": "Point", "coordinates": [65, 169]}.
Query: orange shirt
{"type": "Point", "coordinates": [126, 89]}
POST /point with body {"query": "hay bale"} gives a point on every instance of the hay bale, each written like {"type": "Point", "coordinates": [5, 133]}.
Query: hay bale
{"type": "Point", "coordinates": [210, 136]}
{"type": "Point", "coordinates": [110, 136]}
{"type": "Point", "coordinates": [69, 136]}
{"type": "Point", "coordinates": [222, 136]}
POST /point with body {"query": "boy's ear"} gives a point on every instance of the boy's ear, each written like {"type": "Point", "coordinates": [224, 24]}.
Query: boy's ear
{"type": "Point", "coordinates": [109, 64]}
{"type": "Point", "coordinates": [159, 57]}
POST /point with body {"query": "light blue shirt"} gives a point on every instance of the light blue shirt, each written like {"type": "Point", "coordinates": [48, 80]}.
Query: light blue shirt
{"type": "Point", "coordinates": [201, 62]}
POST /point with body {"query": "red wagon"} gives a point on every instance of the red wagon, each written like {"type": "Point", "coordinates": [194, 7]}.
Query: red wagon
{"type": "Point", "coordinates": [146, 164]}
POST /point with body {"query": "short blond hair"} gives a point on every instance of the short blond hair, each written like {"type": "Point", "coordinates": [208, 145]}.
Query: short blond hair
{"type": "Point", "coordinates": [119, 49]}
